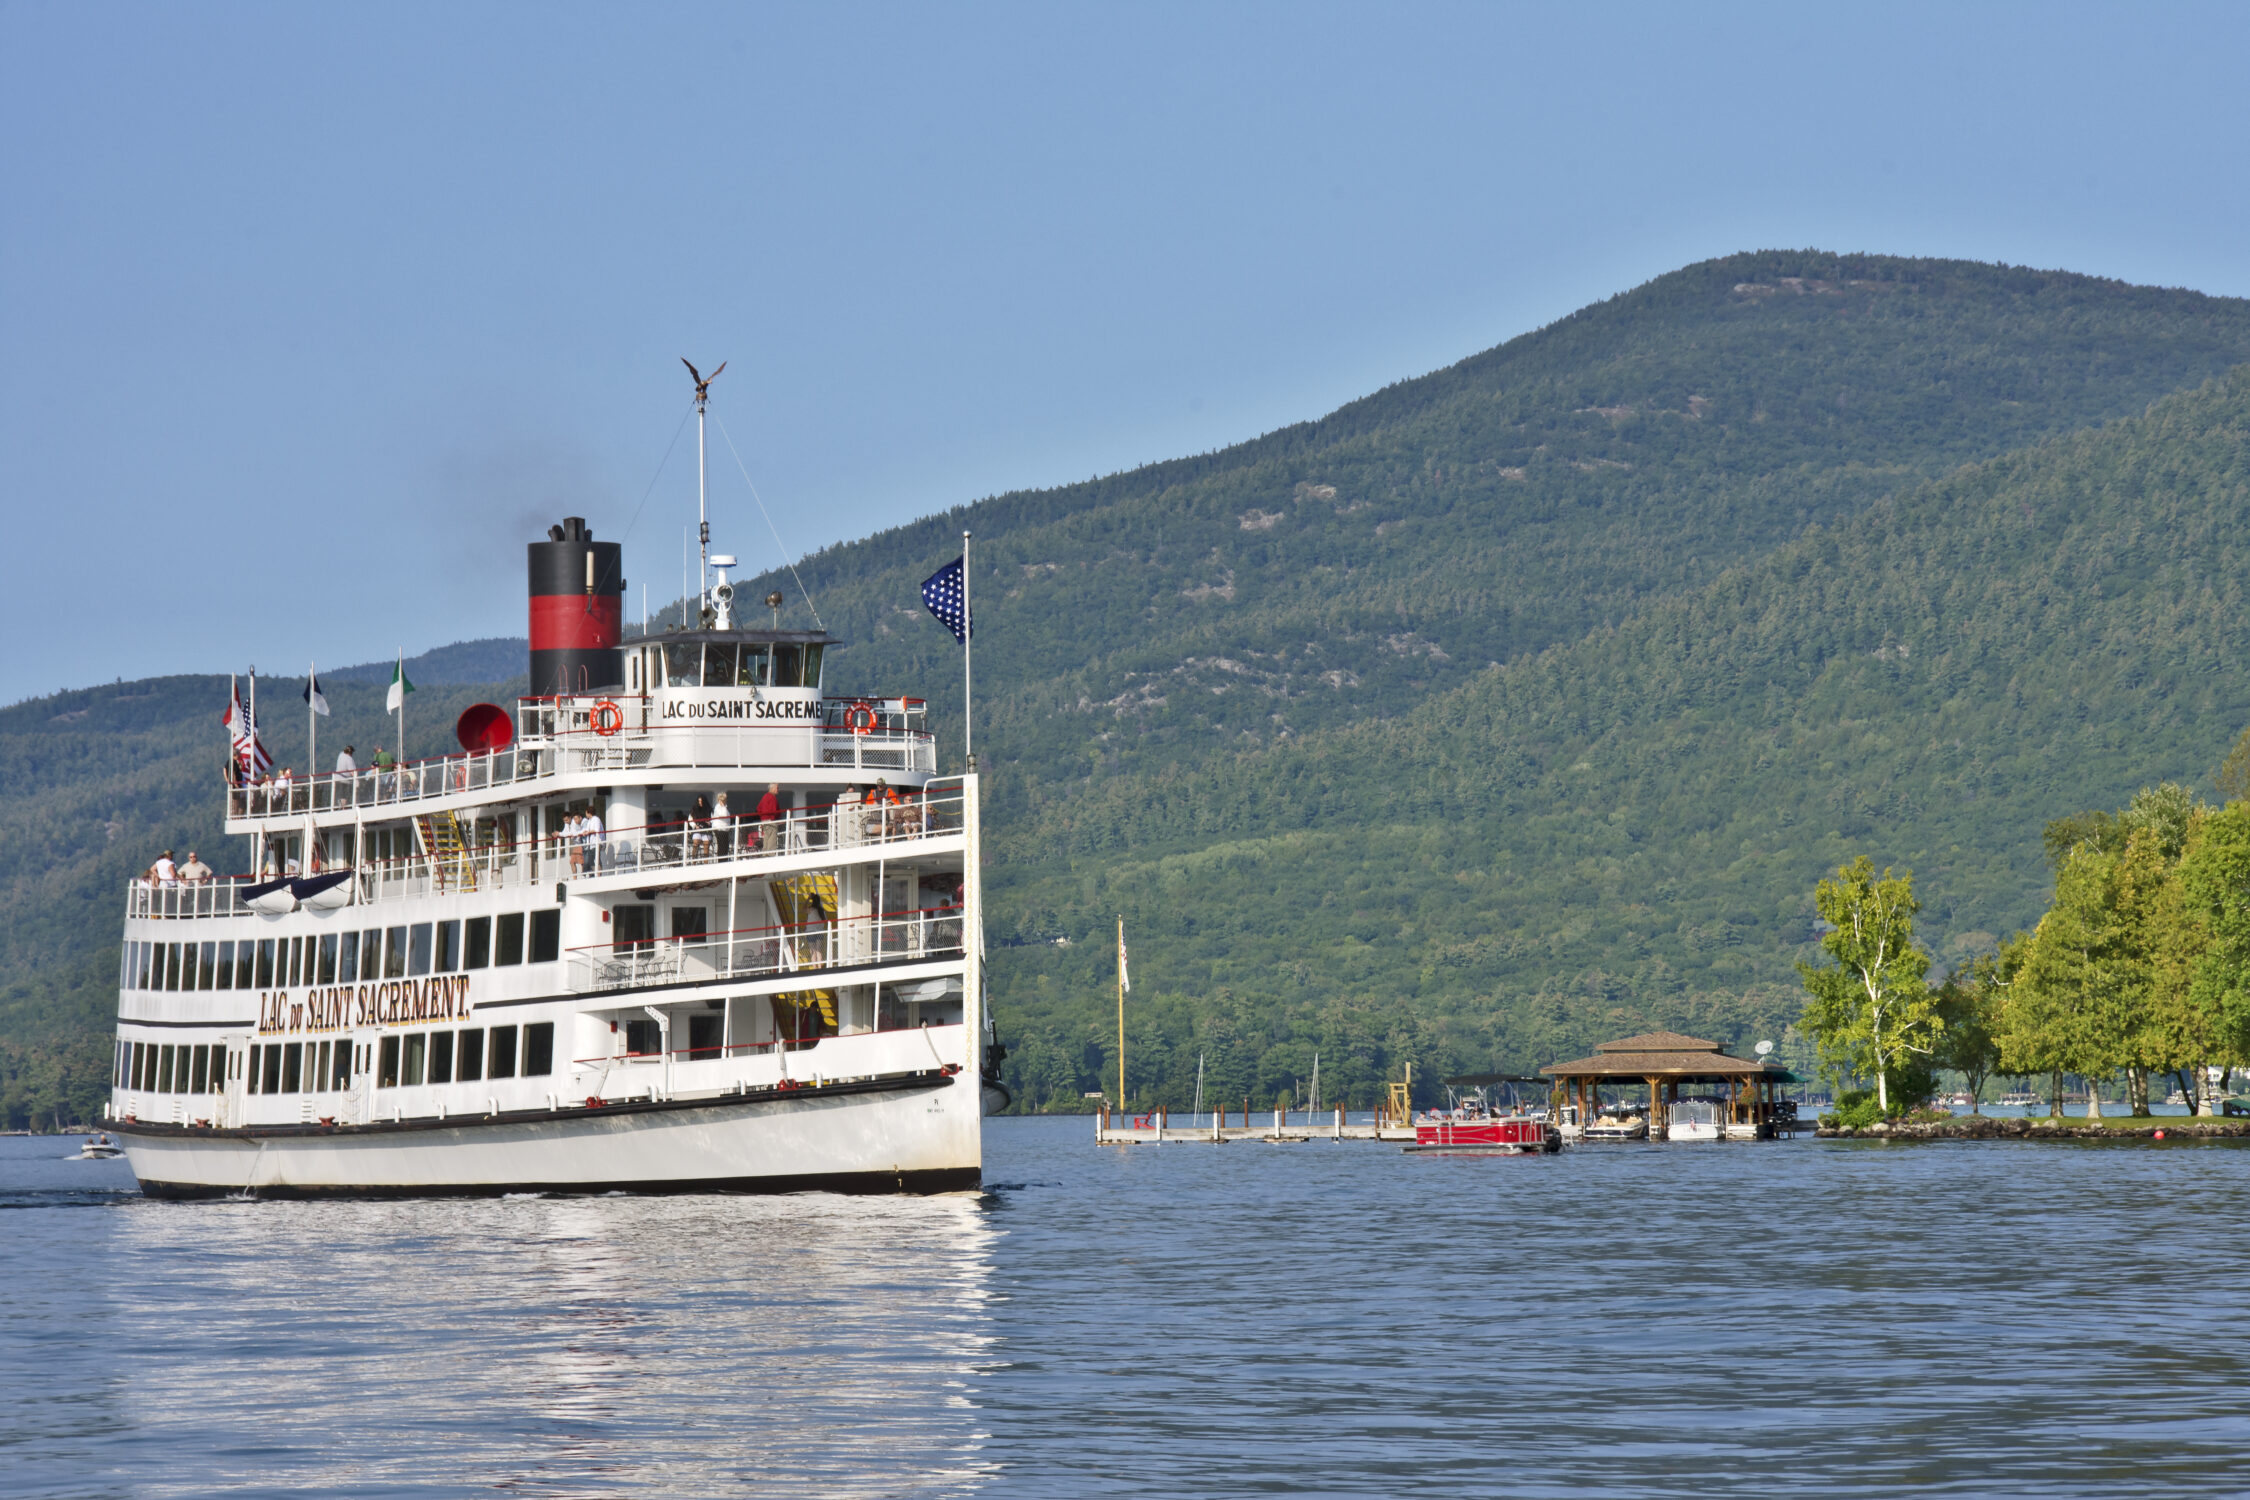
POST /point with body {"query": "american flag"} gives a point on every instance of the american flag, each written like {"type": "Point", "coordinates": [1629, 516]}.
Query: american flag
{"type": "Point", "coordinates": [243, 743]}
{"type": "Point", "coordinates": [941, 593]}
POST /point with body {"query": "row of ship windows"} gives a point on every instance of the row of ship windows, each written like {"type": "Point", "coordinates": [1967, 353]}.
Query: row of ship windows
{"type": "Point", "coordinates": [324, 1067]}
{"type": "Point", "coordinates": [345, 957]}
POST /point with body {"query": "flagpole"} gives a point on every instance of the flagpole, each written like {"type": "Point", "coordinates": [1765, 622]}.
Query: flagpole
{"type": "Point", "coordinates": [968, 659]}
{"type": "Point", "coordinates": [312, 724]}
{"type": "Point", "coordinates": [402, 708]}
{"type": "Point", "coordinates": [1121, 1109]}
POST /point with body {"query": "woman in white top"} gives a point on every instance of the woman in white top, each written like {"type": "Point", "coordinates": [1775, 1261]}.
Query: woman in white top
{"type": "Point", "coordinates": [722, 824]}
{"type": "Point", "coordinates": [571, 828]}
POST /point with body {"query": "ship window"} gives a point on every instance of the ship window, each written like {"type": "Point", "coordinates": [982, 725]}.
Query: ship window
{"type": "Point", "coordinates": [164, 1070]}
{"type": "Point", "coordinates": [293, 1068]}
{"type": "Point", "coordinates": [347, 958]}
{"type": "Point", "coordinates": [546, 936]}
{"type": "Point", "coordinates": [788, 664]}
{"type": "Point", "coordinates": [394, 953]}
{"type": "Point", "coordinates": [633, 927]}
{"type": "Point", "coordinates": [265, 964]}
{"type": "Point", "coordinates": [690, 923]}
{"type": "Point", "coordinates": [418, 949]}
{"type": "Point", "coordinates": [257, 1051]}
{"type": "Point", "coordinates": [508, 948]}
{"type": "Point", "coordinates": [342, 1077]}
{"type": "Point", "coordinates": [539, 1049]}
{"type": "Point", "coordinates": [410, 1073]}
{"type": "Point", "coordinates": [632, 671]}
{"type": "Point", "coordinates": [144, 1063]}
{"type": "Point", "coordinates": [683, 663]}
{"type": "Point", "coordinates": [448, 947]}
{"type": "Point", "coordinates": [642, 1038]}
{"type": "Point", "coordinates": [718, 665]}
{"type": "Point", "coordinates": [386, 1064]}
{"type": "Point", "coordinates": [478, 947]}
{"type": "Point", "coordinates": [327, 958]}
{"type": "Point", "coordinates": [224, 978]}
{"type": "Point", "coordinates": [812, 665]}
{"type": "Point", "coordinates": [273, 1070]}
{"type": "Point", "coordinates": [117, 1064]}
{"type": "Point", "coordinates": [500, 1057]}
{"type": "Point", "coordinates": [296, 966]}
{"type": "Point", "coordinates": [245, 956]}
{"type": "Point", "coordinates": [705, 1033]}
{"type": "Point", "coordinates": [316, 1067]}
{"type": "Point", "coordinates": [171, 966]}
{"type": "Point", "coordinates": [756, 660]}
{"type": "Point", "coordinates": [199, 1076]}
{"type": "Point", "coordinates": [441, 1057]}
{"type": "Point", "coordinates": [471, 1055]}
{"type": "Point", "coordinates": [207, 968]}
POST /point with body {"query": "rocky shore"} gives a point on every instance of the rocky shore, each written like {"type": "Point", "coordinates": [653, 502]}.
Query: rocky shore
{"type": "Point", "coordinates": [2045, 1127]}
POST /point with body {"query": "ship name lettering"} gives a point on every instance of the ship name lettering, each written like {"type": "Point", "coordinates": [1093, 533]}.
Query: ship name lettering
{"type": "Point", "coordinates": [722, 709]}
{"type": "Point", "coordinates": [394, 1002]}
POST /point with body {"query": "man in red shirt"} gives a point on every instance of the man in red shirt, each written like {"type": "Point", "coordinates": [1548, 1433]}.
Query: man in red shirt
{"type": "Point", "coordinates": [769, 817]}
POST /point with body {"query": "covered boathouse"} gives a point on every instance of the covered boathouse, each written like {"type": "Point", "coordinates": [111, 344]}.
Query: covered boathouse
{"type": "Point", "coordinates": [1663, 1060]}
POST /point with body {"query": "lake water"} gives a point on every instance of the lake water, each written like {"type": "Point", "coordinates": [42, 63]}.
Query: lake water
{"type": "Point", "coordinates": [1815, 1318]}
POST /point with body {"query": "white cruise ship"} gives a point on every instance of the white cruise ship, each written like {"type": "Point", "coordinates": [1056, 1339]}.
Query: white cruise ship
{"type": "Point", "coordinates": [443, 993]}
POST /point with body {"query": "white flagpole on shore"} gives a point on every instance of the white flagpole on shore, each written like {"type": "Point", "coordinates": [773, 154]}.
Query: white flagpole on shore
{"type": "Point", "coordinates": [968, 659]}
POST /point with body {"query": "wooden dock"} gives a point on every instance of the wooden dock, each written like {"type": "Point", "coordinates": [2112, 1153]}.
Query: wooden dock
{"type": "Point", "coordinates": [1283, 1128]}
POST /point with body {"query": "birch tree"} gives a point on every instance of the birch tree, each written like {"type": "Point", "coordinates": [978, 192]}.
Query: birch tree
{"type": "Point", "coordinates": [1874, 1010]}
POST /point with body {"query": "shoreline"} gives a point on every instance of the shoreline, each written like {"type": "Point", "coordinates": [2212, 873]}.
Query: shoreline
{"type": "Point", "coordinates": [2047, 1127]}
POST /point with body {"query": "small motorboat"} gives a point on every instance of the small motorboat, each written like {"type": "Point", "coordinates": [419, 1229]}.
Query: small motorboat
{"type": "Point", "coordinates": [98, 1147]}
{"type": "Point", "coordinates": [1617, 1128]}
{"type": "Point", "coordinates": [1476, 1126]}
{"type": "Point", "coordinates": [1694, 1120]}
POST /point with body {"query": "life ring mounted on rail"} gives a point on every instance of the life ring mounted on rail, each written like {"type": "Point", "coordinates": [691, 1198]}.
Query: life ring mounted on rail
{"type": "Point", "coordinates": [608, 718]}
{"type": "Point", "coordinates": [860, 717]}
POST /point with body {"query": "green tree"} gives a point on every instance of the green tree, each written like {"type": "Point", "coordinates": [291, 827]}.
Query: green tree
{"type": "Point", "coordinates": [1873, 1013]}
{"type": "Point", "coordinates": [1969, 1003]}
{"type": "Point", "coordinates": [2215, 882]}
{"type": "Point", "coordinates": [2233, 774]}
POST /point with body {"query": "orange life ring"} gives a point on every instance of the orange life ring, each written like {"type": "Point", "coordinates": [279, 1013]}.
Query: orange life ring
{"type": "Point", "coordinates": [608, 718]}
{"type": "Point", "coordinates": [860, 717]}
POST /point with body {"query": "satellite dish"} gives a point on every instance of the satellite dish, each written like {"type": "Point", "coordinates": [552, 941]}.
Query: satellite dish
{"type": "Point", "coordinates": [1764, 1048]}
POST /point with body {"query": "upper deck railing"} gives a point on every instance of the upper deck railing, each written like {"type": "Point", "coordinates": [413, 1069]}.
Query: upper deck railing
{"type": "Point", "coordinates": [560, 737]}
{"type": "Point", "coordinates": [691, 844]}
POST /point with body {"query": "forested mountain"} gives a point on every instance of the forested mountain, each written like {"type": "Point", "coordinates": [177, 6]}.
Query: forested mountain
{"type": "Point", "coordinates": [1505, 708]}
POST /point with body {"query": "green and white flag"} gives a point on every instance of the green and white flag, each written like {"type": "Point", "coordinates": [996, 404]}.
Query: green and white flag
{"type": "Point", "coordinates": [400, 687]}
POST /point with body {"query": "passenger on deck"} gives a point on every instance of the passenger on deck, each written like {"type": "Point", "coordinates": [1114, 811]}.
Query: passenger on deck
{"type": "Point", "coordinates": [271, 869]}
{"type": "Point", "coordinates": [195, 871]}
{"type": "Point", "coordinates": [345, 765]}
{"type": "Point", "coordinates": [590, 829]}
{"type": "Point", "coordinates": [282, 786]}
{"type": "Point", "coordinates": [573, 837]}
{"type": "Point", "coordinates": [722, 825]}
{"type": "Point", "coordinates": [164, 872]}
{"type": "Point", "coordinates": [769, 817]}
{"type": "Point", "coordinates": [699, 829]}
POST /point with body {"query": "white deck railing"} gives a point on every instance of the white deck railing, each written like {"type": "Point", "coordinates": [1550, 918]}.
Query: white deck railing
{"type": "Point", "coordinates": [759, 952]}
{"type": "Point", "coordinates": [568, 745]}
{"type": "Point", "coordinates": [667, 847]}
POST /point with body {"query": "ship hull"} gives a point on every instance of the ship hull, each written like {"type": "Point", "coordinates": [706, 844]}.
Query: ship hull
{"type": "Point", "coordinates": [914, 1133]}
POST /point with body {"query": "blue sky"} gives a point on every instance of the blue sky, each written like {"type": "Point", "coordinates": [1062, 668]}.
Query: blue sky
{"type": "Point", "coordinates": [310, 316]}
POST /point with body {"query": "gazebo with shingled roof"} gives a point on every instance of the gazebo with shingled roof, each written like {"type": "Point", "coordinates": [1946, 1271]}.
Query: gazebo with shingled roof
{"type": "Point", "coordinates": [1664, 1060]}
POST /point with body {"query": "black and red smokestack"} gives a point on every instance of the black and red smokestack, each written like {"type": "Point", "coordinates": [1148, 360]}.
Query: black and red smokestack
{"type": "Point", "coordinates": [577, 600]}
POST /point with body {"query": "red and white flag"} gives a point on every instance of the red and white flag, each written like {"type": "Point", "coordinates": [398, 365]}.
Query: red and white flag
{"type": "Point", "coordinates": [243, 743]}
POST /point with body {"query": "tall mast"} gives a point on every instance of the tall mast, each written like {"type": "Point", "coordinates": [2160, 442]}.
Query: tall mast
{"type": "Point", "coordinates": [702, 511]}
